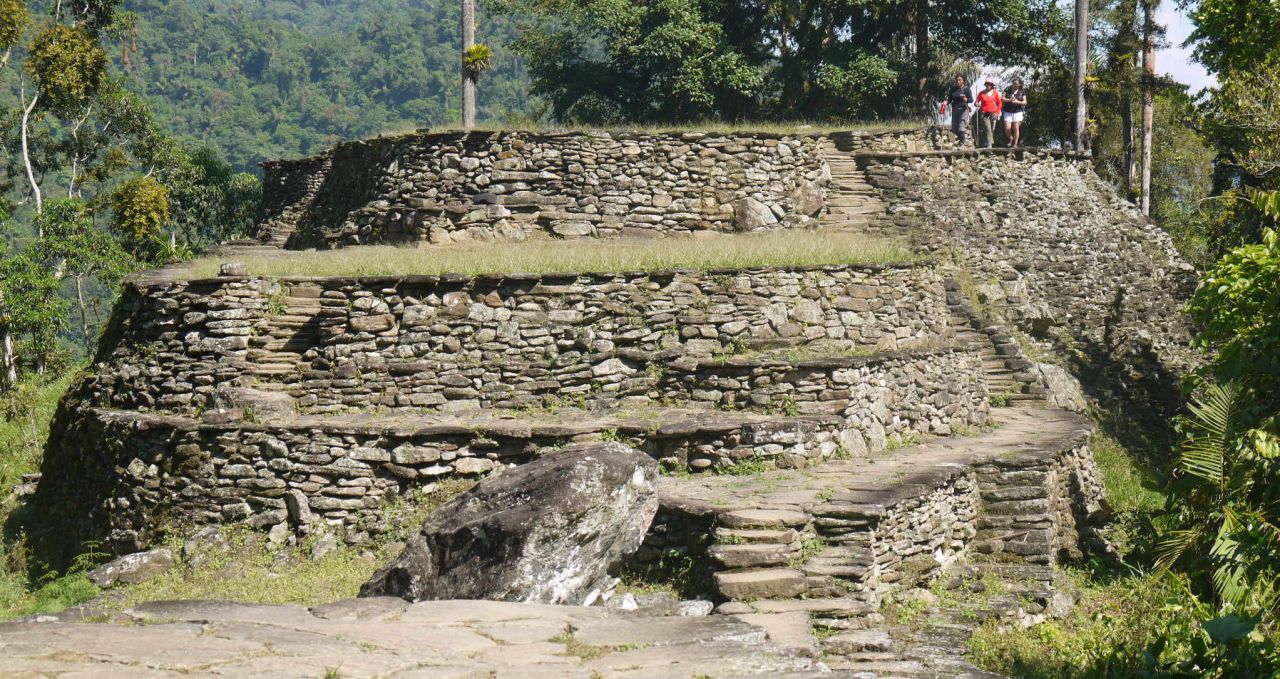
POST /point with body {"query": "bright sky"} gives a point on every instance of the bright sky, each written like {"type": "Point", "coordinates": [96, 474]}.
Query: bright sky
{"type": "Point", "coordinates": [1176, 60]}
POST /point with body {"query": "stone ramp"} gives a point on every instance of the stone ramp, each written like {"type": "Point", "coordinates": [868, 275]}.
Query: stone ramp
{"type": "Point", "coordinates": [848, 530]}
{"type": "Point", "coordinates": [394, 639]}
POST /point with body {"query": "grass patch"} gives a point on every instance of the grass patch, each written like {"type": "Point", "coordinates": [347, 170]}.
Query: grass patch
{"type": "Point", "coordinates": [747, 467]}
{"type": "Point", "coordinates": [25, 413]}
{"type": "Point", "coordinates": [675, 572]}
{"type": "Point", "coordinates": [253, 571]}
{"type": "Point", "coordinates": [1129, 488]}
{"type": "Point", "coordinates": [903, 440]}
{"type": "Point", "coordinates": [794, 248]}
{"type": "Point", "coordinates": [809, 547]}
{"type": "Point", "coordinates": [24, 425]}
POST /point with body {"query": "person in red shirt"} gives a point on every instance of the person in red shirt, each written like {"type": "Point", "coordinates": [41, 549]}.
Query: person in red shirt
{"type": "Point", "coordinates": [990, 104]}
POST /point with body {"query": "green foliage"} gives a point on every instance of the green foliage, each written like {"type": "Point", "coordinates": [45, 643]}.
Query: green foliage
{"type": "Point", "coordinates": [477, 59]}
{"type": "Point", "coordinates": [607, 61]}
{"type": "Point", "coordinates": [283, 78]}
{"type": "Point", "coordinates": [73, 246]}
{"type": "Point", "coordinates": [1235, 34]}
{"type": "Point", "coordinates": [25, 413]}
{"type": "Point", "coordinates": [68, 65]}
{"type": "Point", "coordinates": [749, 466]}
{"type": "Point", "coordinates": [140, 206]}
{"type": "Point", "coordinates": [1130, 625]}
{"type": "Point", "coordinates": [1242, 119]}
{"type": "Point", "coordinates": [14, 18]}
{"type": "Point", "coordinates": [1237, 310]}
{"type": "Point", "coordinates": [674, 570]}
{"type": "Point", "coordinates": [1227, 503]}
{"type": "Point", "coordinates": [30, 305]}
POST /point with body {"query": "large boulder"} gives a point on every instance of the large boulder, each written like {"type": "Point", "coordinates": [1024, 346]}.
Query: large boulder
{"type": "Point", "coordinates": [546, 532]}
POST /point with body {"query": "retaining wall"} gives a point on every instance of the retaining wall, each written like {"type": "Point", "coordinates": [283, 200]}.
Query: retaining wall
{"type": "Point", "coordinates": [1056, 253]}
{"type": "Point", "coordinates": [503, 341]}
{"type": "Point", "coordinates": [443, 187]}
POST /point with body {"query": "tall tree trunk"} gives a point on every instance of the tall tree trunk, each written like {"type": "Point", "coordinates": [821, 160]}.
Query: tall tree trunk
{"type": "Point", "coordinates": [1082, 66]}
{"type": "Point", "coordinates": [8, 366]}
{"type": "Point", "coordinates": [468, 76]}
{"type": "Point", "coordinates": [1130, 150]}
{"type": "Point", "coordinates": [84, 314]}
{"type": "Point", "coordinates": [26, 155]}
{"type": "Point", "coordinates": [1148, 96]}
{"type": "Point", "coordinates": [7, 361]}
{"type": "Point", "coordinates": [923, 55]}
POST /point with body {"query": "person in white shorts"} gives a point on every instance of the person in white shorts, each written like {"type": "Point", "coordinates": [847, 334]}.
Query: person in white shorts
{"type": "Point", "coordinates": [1015, 108]}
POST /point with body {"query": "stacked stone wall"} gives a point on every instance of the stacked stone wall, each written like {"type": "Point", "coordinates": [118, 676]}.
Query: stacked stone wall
{"type": "Point", "coordinates": [511, 341]}
{"type": "Point", "coordinates": [346, 467]}
{"type": "Point", "coordinates": [1056, 253]}
{"type": "Point", "coordinates": [445, 187]}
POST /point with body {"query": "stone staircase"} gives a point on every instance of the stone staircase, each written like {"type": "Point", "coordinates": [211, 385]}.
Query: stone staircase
{"type": "Point", "coordinates": [276, 355]}
{"type": "Point", "coordinates": [844, 532]}
{"type": "Point", "coordinates": [835, 541]}
{"type": "Point", "coordinates": [1011, 376]}
{"type": "Point", "coordinates": [852, 204]}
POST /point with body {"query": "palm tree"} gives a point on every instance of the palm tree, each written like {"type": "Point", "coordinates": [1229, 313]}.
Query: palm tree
{"type": "Point", "coordinates": [1226, 502]}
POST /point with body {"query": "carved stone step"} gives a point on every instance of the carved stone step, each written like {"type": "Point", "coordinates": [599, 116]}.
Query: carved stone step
{"type": "Point", "coordinates": [751, 555]}
{"type": "Point", "coordinates": [756, 535]}
{"type": "Point", "coordinates": [848, 571]}
{"type": "Point", "coordinates": [859, 641]}
{"type": "Point", "coordinates": [763, 518]}
{"type": "Point", "coordinates": [764, 583]}
{"type": "Point", "coordinates": [841, 607]}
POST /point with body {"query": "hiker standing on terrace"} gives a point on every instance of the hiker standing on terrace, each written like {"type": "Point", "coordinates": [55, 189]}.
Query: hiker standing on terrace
{"type": "Point", "coordinates": [990, 105]}
{"type": "Point", "coordinates": [1015, 107]}
{"type": "Point", "coordinates": [959, 100]}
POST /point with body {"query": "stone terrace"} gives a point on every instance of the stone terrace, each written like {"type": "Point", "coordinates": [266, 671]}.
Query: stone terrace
{"type": "Point", "coordinates": [826, 430]}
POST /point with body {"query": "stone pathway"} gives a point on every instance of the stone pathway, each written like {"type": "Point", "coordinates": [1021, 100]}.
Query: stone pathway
{"type": "Point", "coordinates": [393, 639]}
{"type": "Point", "coordinates": [817, 531]}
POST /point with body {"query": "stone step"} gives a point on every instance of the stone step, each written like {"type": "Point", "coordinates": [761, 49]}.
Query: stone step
{"type": "Point", "coordinates": [752, 555]}
{"type": "Point", "coordinates": [848, 571]}
{"type": "Point", "coordinates": [763, 518]}
{"type": "Point", "coordinates": [858, 642]}
{"type": "Point", "coordinates": [834, 607]}
{"type": "Point", "coordinates": [761, 583]}
{"type": "Point", "coordinates": [756, 535]}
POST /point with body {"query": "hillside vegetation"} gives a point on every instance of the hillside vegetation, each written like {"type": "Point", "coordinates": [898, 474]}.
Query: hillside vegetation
{"type": "Point", "coordinates": [285, 78]}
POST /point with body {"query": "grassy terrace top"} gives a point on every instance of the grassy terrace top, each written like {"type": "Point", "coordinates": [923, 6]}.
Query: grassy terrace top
{"type": "Point", "coordinates": [712, 252]}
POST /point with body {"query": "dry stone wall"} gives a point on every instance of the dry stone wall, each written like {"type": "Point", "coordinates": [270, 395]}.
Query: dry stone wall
{"type": "Point", "coordinates": [445, 187]}
{"type": "Point", "coordinates": [340, 472]}
{"type": "Point", "coordinates": [513, 341]}
{"type": "Point", "coordinates": [398, 383]}
{"type": "Point", "coordinates": [1056, 253]}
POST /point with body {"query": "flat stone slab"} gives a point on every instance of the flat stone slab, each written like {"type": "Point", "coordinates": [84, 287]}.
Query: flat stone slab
{"type": "Point", "coordinates": [386, 638]}
{"type": "Point", "coordinates": [862, 487]}
{"type": "Point", "coordinates": [764, 583]}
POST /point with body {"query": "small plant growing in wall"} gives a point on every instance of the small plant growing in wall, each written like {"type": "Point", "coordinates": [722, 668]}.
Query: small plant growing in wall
{"type": "Point", "coordinates": [477, 59]}
{"type": "Point", "coordinates": [275, 303]}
